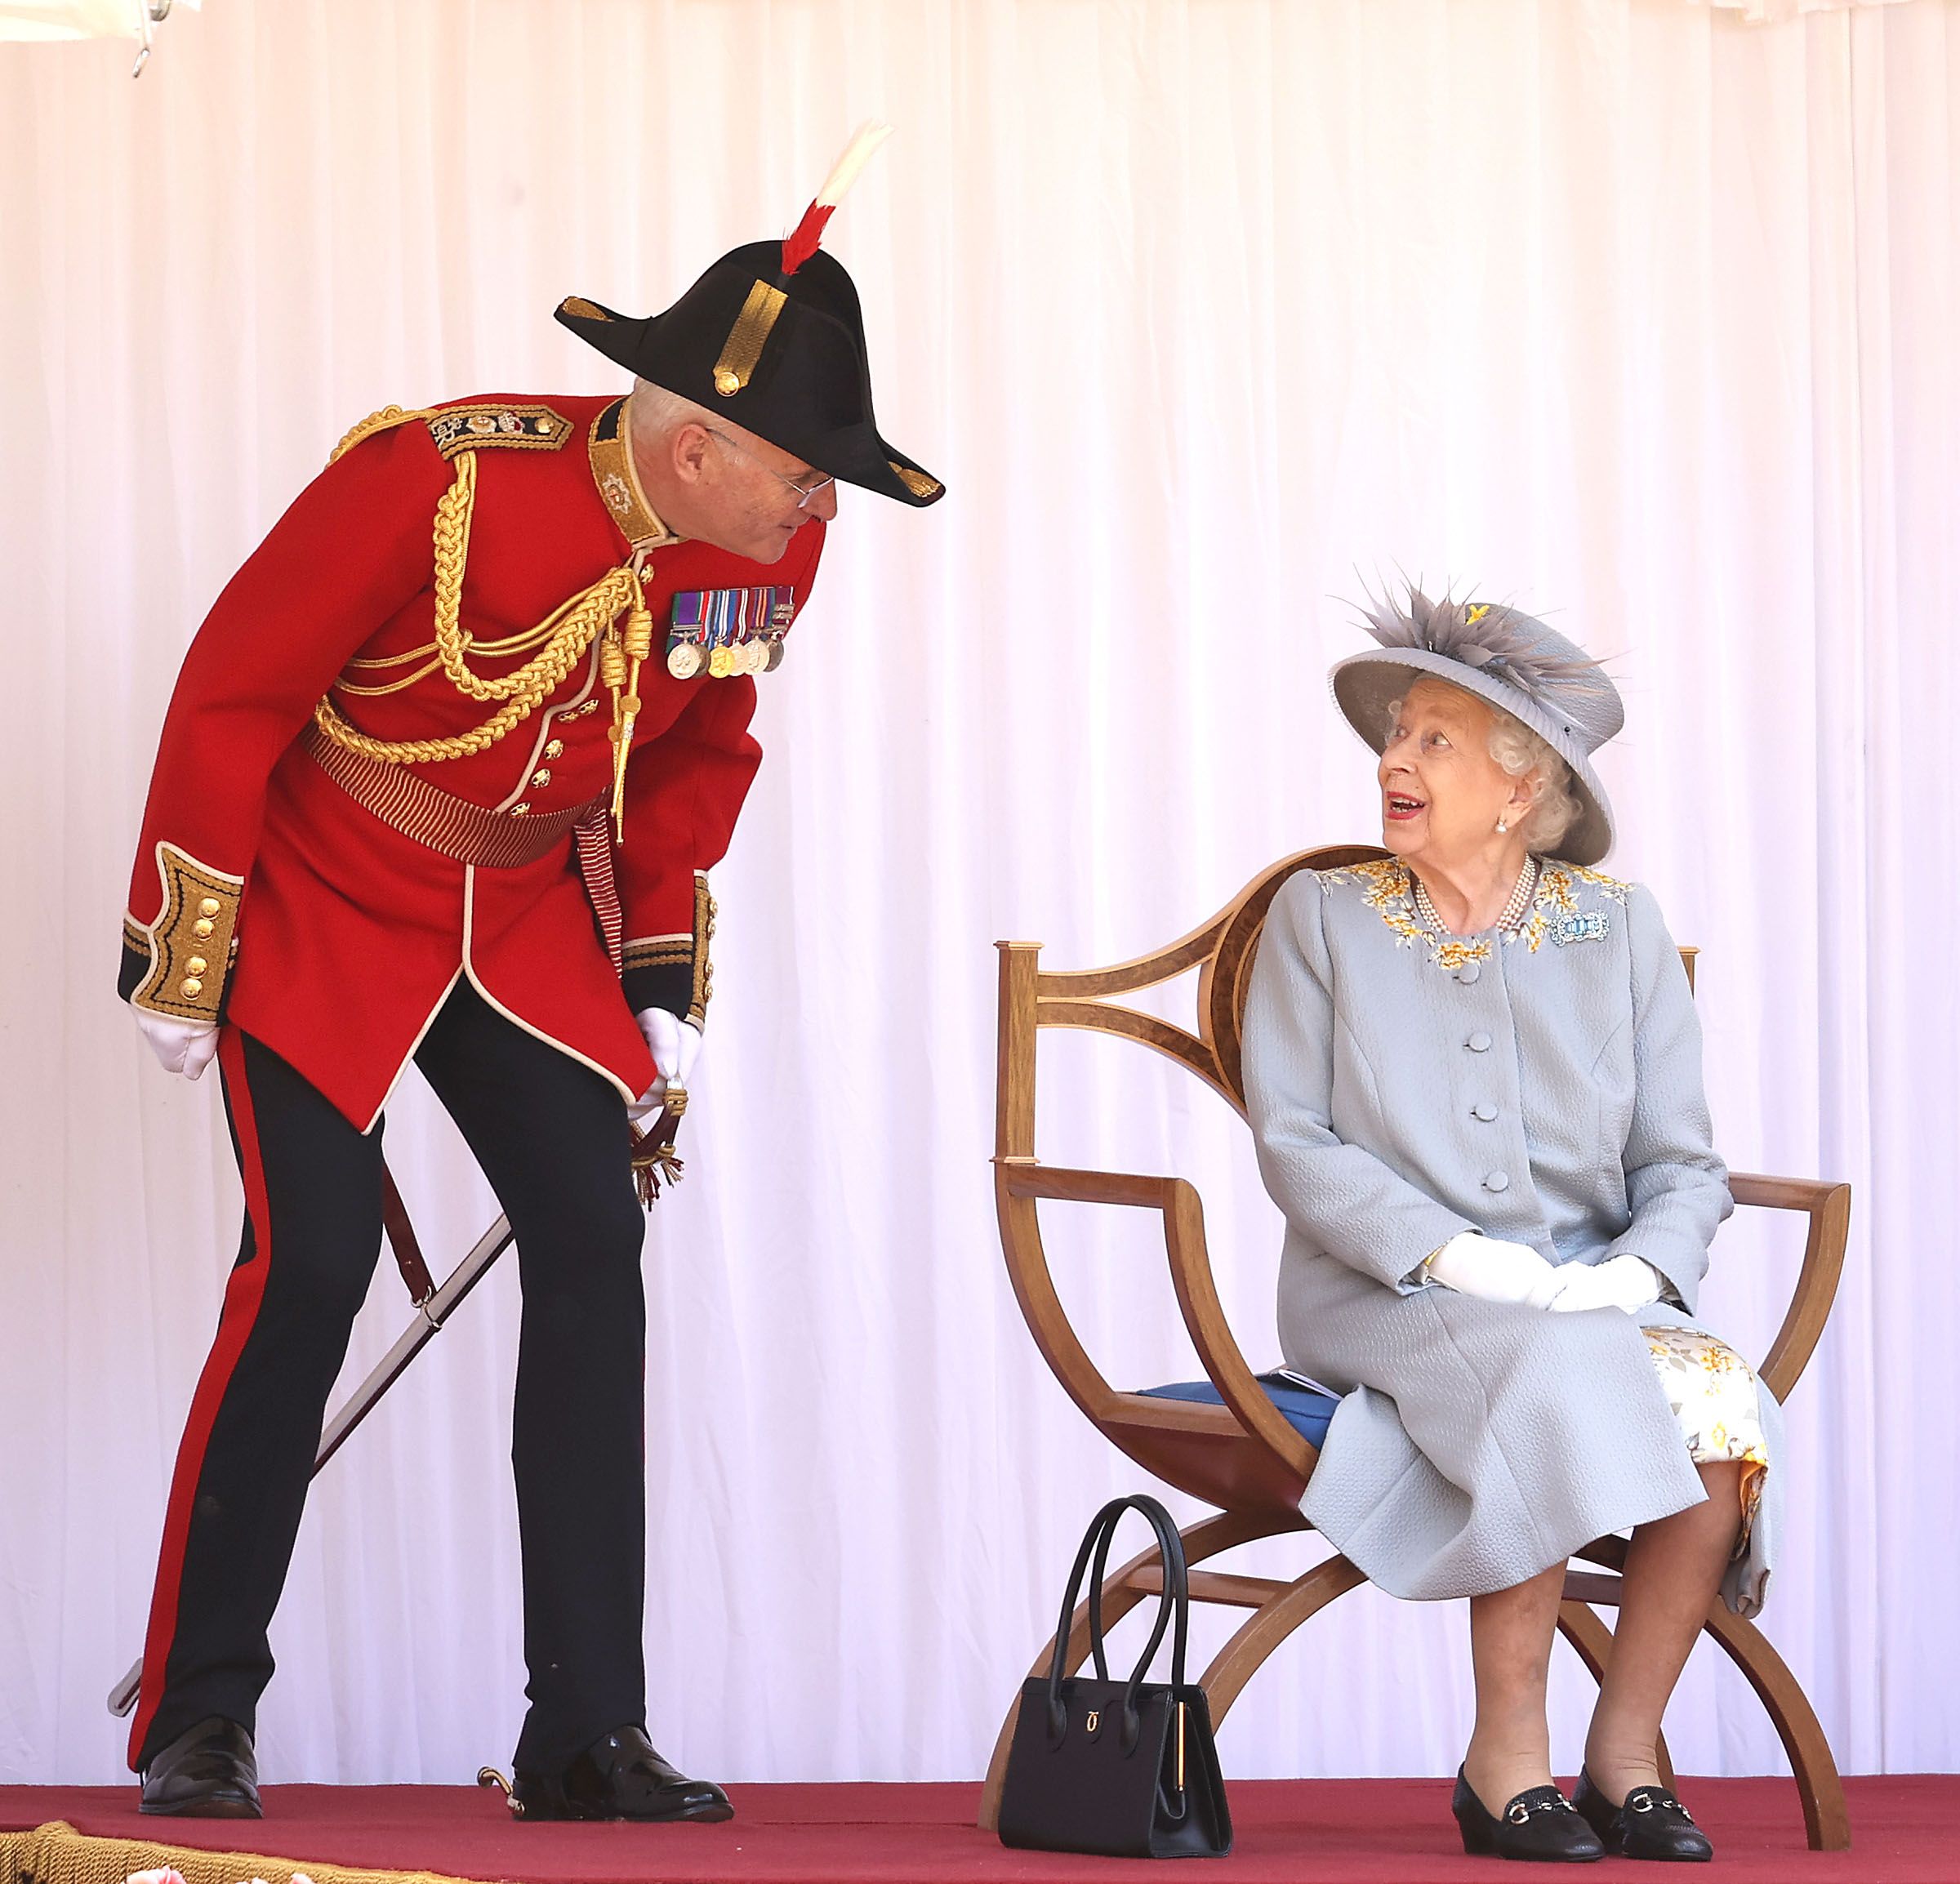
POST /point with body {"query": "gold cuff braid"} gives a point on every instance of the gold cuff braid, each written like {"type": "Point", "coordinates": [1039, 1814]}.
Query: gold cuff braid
{"type": "Point", "coordinates": [191, 940]}
{"type": "Point", "coordinates": [704, 966]}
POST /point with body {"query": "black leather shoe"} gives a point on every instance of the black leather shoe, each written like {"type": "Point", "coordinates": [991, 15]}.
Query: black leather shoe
{"type": "Point", "coordinates": [1652, 1823]}
{"type": "Point", "coordinates": [619, 1776]}
{"type": "Point", "coordinates": [1538, 1826]}
{"type": "Point", "coordinates": [208, 1772]}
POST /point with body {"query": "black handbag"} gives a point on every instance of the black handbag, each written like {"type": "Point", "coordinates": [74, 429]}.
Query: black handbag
{"type": "Point", "coordinates": [1123, 1769]}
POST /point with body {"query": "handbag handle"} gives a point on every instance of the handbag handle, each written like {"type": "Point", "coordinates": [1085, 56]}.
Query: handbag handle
{"type": "Point", "coordinates": [1173, 1604]}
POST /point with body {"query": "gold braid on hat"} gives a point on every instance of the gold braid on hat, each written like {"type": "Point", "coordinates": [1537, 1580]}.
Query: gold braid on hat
{"type": "Point", "coordinates": [562, 640]}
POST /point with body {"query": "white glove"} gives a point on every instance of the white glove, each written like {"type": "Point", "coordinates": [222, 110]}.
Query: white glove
{"type": "Point", "coordinates": [675, 1044]}
{"type": "Point", "coordinates": [1625, 1282]}
{"type": "Point", "coordinates": [1474, 1264]}
{"type": "Point", "coordinates": [183, 1047]}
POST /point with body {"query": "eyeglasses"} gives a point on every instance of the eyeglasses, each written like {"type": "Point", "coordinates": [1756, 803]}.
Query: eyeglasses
{"type": "Point", "coordinates": [805, 492]}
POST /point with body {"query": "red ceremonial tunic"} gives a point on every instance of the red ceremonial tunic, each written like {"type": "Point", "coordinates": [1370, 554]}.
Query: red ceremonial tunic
{"type": "Point", "coordinates": [349, 935]}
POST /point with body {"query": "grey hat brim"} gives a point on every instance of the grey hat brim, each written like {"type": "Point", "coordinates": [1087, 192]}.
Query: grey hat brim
{"type": "Point", "coordinates": [1363, 684]}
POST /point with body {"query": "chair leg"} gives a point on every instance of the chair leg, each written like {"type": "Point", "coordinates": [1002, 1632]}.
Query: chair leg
{"type": "Point", "coordinates": [1593, 1640]}
{"type": "Point", "coordinates": [1203, 1540]}
{"type": "Point", "coordinates": [1826, 1819]}
{"type": "Point", "coordinates": [1267, 1627]}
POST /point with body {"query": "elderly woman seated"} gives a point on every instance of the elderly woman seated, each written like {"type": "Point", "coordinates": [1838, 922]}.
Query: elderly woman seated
{"type": "Point", "coordinates": [1474, 1072]}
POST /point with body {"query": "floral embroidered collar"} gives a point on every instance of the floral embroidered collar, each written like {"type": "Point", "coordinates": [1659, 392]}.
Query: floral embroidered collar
{"type": "Point", "coordinates": [1389, 888]}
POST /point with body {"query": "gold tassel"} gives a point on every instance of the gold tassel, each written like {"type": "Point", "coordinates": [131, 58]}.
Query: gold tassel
{"type": "Point", "coordinates": [619, 658]}
{"type": "Point", "coordinates": [653, 1154]}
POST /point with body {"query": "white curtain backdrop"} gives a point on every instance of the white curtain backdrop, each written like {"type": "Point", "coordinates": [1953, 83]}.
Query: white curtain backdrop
{"type": "Point", "coordinates": [1207, 311]}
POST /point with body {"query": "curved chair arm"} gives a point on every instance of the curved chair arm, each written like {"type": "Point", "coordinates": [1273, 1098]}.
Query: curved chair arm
{"type": "Point", "coordinates": [1828, 1207]}
{"type": "Point", "coordinates": [1191, 1273]}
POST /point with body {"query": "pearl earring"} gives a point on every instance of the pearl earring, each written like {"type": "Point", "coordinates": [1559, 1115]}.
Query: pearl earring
{"type": "Point", "coordinates": [1502, 827]}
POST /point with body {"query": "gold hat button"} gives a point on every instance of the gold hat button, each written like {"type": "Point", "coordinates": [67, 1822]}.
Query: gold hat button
{"type": "Point", "coordinates": [727, 382]}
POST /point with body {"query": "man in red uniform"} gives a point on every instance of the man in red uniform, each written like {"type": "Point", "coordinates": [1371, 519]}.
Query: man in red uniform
{"type": "Point", "coordinates": [441, 779]}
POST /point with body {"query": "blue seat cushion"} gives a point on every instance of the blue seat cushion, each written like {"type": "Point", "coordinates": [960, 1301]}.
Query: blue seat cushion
{"type": "Point", "coordinates": [1306, 1410]}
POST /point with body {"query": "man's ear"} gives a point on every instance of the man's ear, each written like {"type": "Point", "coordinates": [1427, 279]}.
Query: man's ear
{"type": "Point", "coordinates": [690, 449]}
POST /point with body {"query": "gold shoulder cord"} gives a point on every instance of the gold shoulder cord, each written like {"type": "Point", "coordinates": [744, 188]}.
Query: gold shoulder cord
{"type": "Point", "coordinates": [562, 640]}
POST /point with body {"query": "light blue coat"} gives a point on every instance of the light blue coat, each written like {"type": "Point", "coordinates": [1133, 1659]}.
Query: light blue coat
{"type": "Point", "coordinates": [1404, 1085]}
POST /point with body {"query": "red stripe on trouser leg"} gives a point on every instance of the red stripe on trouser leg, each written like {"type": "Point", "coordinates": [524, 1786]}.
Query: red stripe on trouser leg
{"type": "Point", "coordinates": [243, 1295]}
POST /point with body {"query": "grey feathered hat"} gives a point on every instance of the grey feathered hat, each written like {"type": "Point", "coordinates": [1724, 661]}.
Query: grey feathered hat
{"type": "Point", "coordinates": [1510, 659]}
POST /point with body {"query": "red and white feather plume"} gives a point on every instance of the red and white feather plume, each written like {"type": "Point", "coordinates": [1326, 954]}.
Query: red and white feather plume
{"type": "Point", "coordinates": [804, 239]}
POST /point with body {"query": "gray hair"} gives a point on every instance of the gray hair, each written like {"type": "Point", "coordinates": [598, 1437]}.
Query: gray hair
{"type": "Point", "coordinates": [657, 413]}
{"type": "Point", "coordinates": [1555, 807]}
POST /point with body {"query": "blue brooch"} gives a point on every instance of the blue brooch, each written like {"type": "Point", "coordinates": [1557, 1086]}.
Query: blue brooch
{"type": "Point", "coordinates": [1590, 926]}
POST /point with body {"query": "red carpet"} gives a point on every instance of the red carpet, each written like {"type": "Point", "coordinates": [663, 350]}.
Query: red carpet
{"type": "Point", "coordinates": [1905, 1831]}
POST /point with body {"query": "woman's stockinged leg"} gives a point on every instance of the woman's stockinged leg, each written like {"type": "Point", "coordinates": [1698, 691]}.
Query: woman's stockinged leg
{"type": "Point", "coordinates": [1673, 1569]}
{"type": "Point", "coordinates": [1510, 1653]}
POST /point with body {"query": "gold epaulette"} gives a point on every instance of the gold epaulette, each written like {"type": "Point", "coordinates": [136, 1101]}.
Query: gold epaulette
{"type": "Point", "coordinates": [532, 428]}
{"type": "Point", "coordinates": [473, 428]}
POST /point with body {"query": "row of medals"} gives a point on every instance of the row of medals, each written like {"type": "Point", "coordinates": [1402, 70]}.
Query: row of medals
{"type": "Point", "coordinates": [685, 659]}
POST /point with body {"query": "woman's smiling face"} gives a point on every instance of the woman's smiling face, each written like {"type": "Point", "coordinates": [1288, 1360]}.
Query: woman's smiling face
{"type": "Point", "coordinates": [1442, 793]}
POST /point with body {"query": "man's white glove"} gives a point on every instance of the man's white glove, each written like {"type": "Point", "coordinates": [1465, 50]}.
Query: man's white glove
{"type": "Point", "coordinates": [675, 1044]}
{"type": "Point", "coordinates": [1624, 1282]}
{"type": "Point", "coordinates": [1474, 1264]}
{"type": "Point", "coordinates": [183, 1047]}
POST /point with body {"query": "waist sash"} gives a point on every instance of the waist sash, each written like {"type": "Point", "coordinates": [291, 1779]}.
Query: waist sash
{"type": "Point", "coordinates": [467, 833]}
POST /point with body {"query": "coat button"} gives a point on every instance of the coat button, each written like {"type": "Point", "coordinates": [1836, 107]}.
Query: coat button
{"type": "Point", "coordinates": [522, 808]}
{"type": "Point", "coordinates": [209, 906]}
{"type": "Point", "coordinates": [1484, 1110]}
{"type": "Point", "coordinates": [196, 965]}
{"type": "Point", "coordinates": [1479, 1042]}
{"type": "Point", "coordinates": [192, 989]}
{"type": "Point", "coordinates": [202, 927]}
{"type": "Point", "coordinates": [554, 749]}
{"type": "Point", "coordinates": [540, 778]}
{"type": "Point", "coordinates": [1468, 973]}
{"type": "Point", "coordinates": [1497, 1181]}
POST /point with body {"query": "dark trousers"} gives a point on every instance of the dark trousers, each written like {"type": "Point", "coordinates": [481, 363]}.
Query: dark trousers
{"type": "Point", "coordinates": [551, 1137]}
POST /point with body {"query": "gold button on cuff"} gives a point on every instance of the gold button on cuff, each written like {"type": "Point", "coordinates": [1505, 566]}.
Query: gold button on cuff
{"type": "Point", "coordinates": [209, 906]}
{"type": "Point", "coordinates": [192, 989]}
{"type": "Point", "coordinates": [196, 965]}
{"type": "Point", "coordinates": [201, 927]}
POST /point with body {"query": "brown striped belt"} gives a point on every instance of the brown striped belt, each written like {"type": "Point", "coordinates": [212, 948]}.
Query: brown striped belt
{"type": "Point", "coordinates": [467, 833]}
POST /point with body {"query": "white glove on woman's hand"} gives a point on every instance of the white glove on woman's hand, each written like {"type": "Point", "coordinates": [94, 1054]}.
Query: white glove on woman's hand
{"type": "Point", "coordinates": [183, 1047]}
{"type": "Point", "coordinates": [675, 1045]}
{"type": "Point", "coordinates": [1474, 1264]}
{"type": "Point", "coordinates": [1624, 1282]}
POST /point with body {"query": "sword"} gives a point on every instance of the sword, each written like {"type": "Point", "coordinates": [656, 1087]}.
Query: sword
{"type": "Point", "coordinates": [654, 1158]}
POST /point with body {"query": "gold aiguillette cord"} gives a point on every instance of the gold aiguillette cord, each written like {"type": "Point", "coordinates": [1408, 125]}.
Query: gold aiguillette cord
{"type": "Point", "coordinates": [619, 659]}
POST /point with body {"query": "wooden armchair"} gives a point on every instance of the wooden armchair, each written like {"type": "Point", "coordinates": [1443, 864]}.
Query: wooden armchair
{"type": "Point", "coordinates": [1243, 1457]}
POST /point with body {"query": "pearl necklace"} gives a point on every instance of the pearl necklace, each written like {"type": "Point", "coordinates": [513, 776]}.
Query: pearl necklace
{"type": "Point", "coordinates": [1509, 920]}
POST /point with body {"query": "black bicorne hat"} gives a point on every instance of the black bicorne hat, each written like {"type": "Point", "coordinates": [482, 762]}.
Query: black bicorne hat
{"type": "Point", "coordinates": [772, 336]}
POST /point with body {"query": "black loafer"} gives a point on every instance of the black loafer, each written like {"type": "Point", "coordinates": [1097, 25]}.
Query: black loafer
{"type": "Point", "coordinates": [619, 1776]}
{"type": "Point", "coordinates": [208, 1772]}
{"type": "Point", "coordinates": [1652, 1823]}
{"type": "Point", "coordinates": [1538, 1826]}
